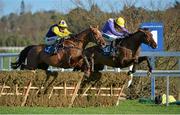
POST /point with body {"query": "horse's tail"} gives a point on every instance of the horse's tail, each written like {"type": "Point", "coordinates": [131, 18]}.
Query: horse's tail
{"type": "Point", "coordinates": [22, 57]}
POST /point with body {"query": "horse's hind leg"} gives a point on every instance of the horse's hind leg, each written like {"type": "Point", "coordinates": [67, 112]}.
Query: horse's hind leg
{"type": "Point", "coordinates": [26, 67]}
{"type": "Point", "coordinates": [23, 66]}
{"type": "Point", "coordinates": [32, 63]}
{"type": "Point", "coordinates": [43, 66]}
{"type": "Point", "coordinates": [98, 67]}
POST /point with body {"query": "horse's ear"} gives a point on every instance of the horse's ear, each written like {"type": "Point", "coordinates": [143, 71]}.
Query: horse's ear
{"type": "Point", "coordinates": [90, 27]}
{"type": "Point", "coordinates": [97, 26]}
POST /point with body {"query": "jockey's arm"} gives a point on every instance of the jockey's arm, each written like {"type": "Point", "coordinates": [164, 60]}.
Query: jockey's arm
{"type": "Point", "coordinates": [125, 30]}
{"type": "Point", "coordinates": [61, 34]}
{"type": "Point", "coordinates": [112, 29]}
{"type": "Point", "coordinates": [67, 32]}
{"type": "Point", "coordinates": [122, 34]}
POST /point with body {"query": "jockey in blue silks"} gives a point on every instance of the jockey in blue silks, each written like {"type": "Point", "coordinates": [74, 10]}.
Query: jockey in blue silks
{"type": "Point", "coordinates": [114, 29]}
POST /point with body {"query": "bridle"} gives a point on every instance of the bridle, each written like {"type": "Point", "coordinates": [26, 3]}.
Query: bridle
{"type": "Point", "coordinates": [97, 39]}
{"type": "Point", "coordinates": [146, 37]}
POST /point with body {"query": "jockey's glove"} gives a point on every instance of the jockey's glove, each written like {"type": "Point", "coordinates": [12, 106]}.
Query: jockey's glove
{"type": "Point", "coordinates": [66, 37]}
{"type": "Point", "coordinates": [71, 35]}
{"type": "Point", "coordinates": [58, 39]}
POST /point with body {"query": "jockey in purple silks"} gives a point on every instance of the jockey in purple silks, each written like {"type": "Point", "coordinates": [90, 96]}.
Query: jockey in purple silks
{"type": "Point", "coordinates": [114, 29]}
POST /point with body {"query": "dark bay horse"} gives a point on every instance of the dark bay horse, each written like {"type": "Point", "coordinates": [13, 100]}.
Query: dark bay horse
{"type": "Point", "coordinates": [127, 54]}
{"type": "Point", "coordinates": [68, 56]}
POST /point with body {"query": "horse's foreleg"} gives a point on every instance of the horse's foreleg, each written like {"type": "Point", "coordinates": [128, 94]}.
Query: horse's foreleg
{"type": "Point", "coordinates": [143, 58]}
{"type": "Point", "coordinates": [149, 66]}
{"type": "Point", "coordinates": [87, 72]}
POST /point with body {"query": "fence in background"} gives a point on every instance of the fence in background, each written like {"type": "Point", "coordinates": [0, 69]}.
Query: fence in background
{"type": "Point", "coordinates": [12, 48]}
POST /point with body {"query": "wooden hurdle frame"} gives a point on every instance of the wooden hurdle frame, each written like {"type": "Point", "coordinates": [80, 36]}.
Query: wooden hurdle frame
{"type": "Point", "coordinates": [75, 89]}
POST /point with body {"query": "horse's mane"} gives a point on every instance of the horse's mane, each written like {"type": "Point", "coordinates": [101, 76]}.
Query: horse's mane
{"type": "Point", "coordinates": [144, 29]}
{"type": "Point", "coordinates": [74, 37]}
{"type": "Point", "coordinates": [131, 36]}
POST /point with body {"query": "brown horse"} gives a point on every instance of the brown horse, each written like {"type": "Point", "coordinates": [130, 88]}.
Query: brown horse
{"type": "Point", "coordinates": [68, 55]}
{"type": "Point", "coordinates": [127, 54]}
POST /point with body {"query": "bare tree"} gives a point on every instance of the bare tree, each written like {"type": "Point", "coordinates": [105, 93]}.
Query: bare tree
{"type": "Point", "coordinates": [78, 3]}
{"type": "Point", "coordinates": [129, 3]}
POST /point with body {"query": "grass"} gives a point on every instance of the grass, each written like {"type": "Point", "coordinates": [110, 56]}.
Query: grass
{"type": "Point", "coordinates": [6, 62]}
{"type": "Point", "coordinates": [125, 107]}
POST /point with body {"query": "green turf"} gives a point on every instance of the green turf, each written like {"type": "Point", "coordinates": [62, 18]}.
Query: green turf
{"type": "Point", "coordinates": [6, 59]}
{"type": "Point", "coordinates": [6, 62]}
{"type": "Point", "coordinates": [125, 107]}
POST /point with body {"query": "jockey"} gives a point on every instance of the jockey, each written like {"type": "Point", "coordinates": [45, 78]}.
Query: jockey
{"type": "Point", "coordinates": [57, 32]}
{"type": "Point", "coordinates": [114, 29]}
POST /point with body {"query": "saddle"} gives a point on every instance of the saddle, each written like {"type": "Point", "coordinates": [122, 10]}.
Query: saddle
{"type": "Point", "coordinates": [109, 50]}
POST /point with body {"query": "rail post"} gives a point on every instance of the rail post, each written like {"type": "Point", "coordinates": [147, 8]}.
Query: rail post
{"type": "Point", "coordinates": [167, 91]}
{"type": "Point", "coordinates": [1, 63]}
{"type": "Point", "coordinates": [153, 79]}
